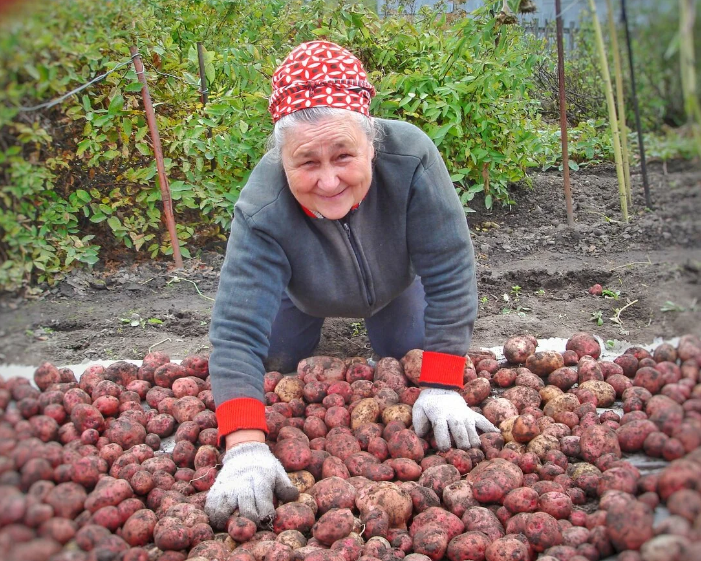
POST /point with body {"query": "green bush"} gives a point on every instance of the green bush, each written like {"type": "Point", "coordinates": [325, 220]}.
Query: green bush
{"type": "Point", "coordinates": [78, 179]}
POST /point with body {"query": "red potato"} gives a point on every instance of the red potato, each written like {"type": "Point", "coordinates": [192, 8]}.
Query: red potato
{"type": "Point", "coordinates": [167, 373]}
{"type": "Point", "coordinates": [431, 541]}
{"type": "Point", "coordinates": [584, 344]}
{"type": "Point", "coordinates": [498, 410]}
{"type": "Point", "coordinates": [518, 349]}
{"type": "Point", "coordinates": [597, 440]}
{"type": "Point", "coordinates": [391, 372]}
{"type": "Point", "coordinates": [543, 363]}
{"type": "Point", "coordinates": [108, 493]}
{"type": "Point", "coordinates": [558, 505]}
{"type": "Point", "coordinates": [563, 378]}
{"type": "Point", "coordinates": [680, 474]}
{"type": "Point", "coordinates": [542, 531]}
{"type": "Point", "coordinates": [196, 365]}
{"type": "Point", "coordinates": [476, 391]}
{"type": "Point", "coordinates": [507, 549]}
{"type": "Point", "coordinates": [405, 469]}
{"type": "Point", "coordinates": [359, 371]}
{"type": "Point", "coordinates": [333, 492]}
{"type": "Point", "coordinates": [170, 534]}
{"type": "Point", "coordinates": [126, 432]}
{"type": "Point", "coordinates": [45, 375]}
{"type": "Point", "coordinates": [293, 516]}
{"type": "Point", "coordinates": [632, 436]}
{"type": "Point", "coordinates": [240, 529]}
{"type": "Point", "coordinates": [375, 522]}
{"type": "Point", "coordinates": [333, 525]}
{"type": "Point", "coordinates": [649, 378]}
{"type": "Point", "coordinates": [521, 499]}
{"type": "Point", "coordinates": [470, 546]}
{"type": "Point", "coordinates": [325, 368]}
{"type": "Point", "coordinates": [629, 525]}
{"type": "Point", "coordinates": [481, 519]}
{"type": "Point", "coordinates": [84, 416]}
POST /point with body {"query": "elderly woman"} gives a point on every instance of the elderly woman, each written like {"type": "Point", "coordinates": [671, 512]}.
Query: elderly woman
{"type": "Point", "coordinates": [344, 216]}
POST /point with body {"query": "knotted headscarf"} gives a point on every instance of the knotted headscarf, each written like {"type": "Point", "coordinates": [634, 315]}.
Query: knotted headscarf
{"type": "Point", "coordinates": [320, 74]}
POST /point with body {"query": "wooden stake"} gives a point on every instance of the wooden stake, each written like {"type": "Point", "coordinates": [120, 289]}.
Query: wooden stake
{"type": "Point", "coordinates": [636, 107]}
{"type": "Point", "coordinates": [618, 75]}
{"type": "Point", "coordinates": [613, 122]}
{"type": "Point", "coordinates": [563, 115]}
{"type": "Point", "coordinates": [158, 154]}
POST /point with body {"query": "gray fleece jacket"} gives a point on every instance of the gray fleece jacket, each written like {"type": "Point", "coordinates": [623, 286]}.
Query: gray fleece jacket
{"type": "Point", "coordinates": [410, 223]}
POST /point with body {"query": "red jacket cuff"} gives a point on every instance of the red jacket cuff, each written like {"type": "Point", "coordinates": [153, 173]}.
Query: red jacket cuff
{"type": "Point", "coordinates": [241, 413]}
{"type": "Point", "coordinates": [441, 370]}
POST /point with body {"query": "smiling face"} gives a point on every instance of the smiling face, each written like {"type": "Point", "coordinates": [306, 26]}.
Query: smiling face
{"type": "Point", "coordinates": [328, 165]}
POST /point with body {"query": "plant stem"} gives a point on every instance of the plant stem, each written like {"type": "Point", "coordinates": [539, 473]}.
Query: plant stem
{"type": "Point", "coordinates": [618, 75]}
{"type": "Point", "coordinates": [687, 15]}
{"type": "Point", "coordinates": [613, 121]}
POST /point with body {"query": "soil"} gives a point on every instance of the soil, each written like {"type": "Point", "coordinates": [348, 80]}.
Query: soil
{"type": "Point", "coordinates": [534, 273]}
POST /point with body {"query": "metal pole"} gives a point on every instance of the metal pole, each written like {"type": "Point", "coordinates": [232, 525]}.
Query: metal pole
{"type": "Point", "coordinates": [563, 114]}
{"type": "Point", "coordinates": [641, 143]}
{"type": "Point", "coordinates": [158, 154]}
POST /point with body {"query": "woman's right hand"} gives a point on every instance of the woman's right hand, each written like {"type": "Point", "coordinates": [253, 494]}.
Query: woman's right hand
{"type": "Point", "coordinates": [247, 481]}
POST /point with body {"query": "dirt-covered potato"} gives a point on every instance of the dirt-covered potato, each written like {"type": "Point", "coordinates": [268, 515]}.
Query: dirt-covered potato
{"type": "Point", "coordinates": [598, 440]}
{"type": "Point", "coordinates": [517, 349]}
{"type": "Point", "coordinates": [398, 412]}
{"type": "Point", "coordinates": [604, 392]}
{"type": "Point", "coordinates": [561, 403]}
{"type": "Point", "coordinates": [543, 363]}
{"type": "Point", "coordinates": [523, 397]}
{"type": "Point", "coordinates": [389, 497]}
{"type": "Point", "coordinates": [563, 378]}
{"type": "Point", "coordinates": [289, 388]}
{"type": "Point", "coordinates": [476, 391]}
{"type": "Point", "coordinates": [499, 409]}
{"type": "Point", "coordinates": [493, 479]}
{"type": "Point", "coordinates": [324, 368]}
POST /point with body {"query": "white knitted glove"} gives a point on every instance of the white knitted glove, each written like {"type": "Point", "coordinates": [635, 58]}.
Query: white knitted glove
{"type": "Point", "coordinates": [447, 412]}
{"type": "Point", "coordinates": [246, 481]}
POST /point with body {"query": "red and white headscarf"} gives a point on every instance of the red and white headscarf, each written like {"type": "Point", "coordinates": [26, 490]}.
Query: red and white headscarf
{"type": "Point", "coordinates": [320, 74]}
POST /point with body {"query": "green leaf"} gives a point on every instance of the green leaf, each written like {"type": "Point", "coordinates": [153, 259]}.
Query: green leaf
{"type": "Point", "coordinates": [114, 223]}
{"type": "Point", "coordinates": [133, 87]}
{"type": "Point", "coordinates": [83, 145]}
{"type": "Point", "coordinates": [83, 195]}
{"type": "Point", "coordinates": [126, 126]}
{"type": "Point", "coordinates": [116, 104]}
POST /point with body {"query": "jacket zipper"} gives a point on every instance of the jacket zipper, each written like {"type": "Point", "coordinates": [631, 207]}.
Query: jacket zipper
{"type": "Point", "coordinates": [363, 272]}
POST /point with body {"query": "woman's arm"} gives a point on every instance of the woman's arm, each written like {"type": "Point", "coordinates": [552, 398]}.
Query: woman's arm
{"type": "Point", "coordinates": [253, 276]}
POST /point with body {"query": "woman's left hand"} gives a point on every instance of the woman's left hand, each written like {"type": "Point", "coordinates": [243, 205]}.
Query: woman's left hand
{"type": "Point", "coordinates": [447, 413]}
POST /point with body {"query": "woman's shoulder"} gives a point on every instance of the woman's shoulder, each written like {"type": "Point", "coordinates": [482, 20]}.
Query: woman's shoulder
{"type": "Point", "coordinates": [402, 138]}
{"type": "Point", "coordinates": [265, 190]}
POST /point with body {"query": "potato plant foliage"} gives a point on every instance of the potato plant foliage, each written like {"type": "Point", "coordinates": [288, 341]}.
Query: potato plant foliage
{"type": "Point", "coordinates": [79, 177]}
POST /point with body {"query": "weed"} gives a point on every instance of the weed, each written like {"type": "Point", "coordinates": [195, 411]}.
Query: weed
{"type": "Point", "coordinates": [607, 293]}
{"type": "Point", "coordinates": [358, 329]}
{"type": "Point", "coordinates": [597, 316]}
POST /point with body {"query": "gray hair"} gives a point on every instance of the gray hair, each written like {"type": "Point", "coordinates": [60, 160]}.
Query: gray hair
{"type": "Point", "coordinates": [276, 140]}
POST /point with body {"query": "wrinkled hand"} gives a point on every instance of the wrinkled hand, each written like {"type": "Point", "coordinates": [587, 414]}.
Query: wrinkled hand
{"type": "Point", "coordinates": [247, 481]}
{"type": "Point", "coordinates": [447, 413]}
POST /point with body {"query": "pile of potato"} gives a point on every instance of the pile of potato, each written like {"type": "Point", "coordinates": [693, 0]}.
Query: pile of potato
{"type": "Point", "coordinates": [83, 475]}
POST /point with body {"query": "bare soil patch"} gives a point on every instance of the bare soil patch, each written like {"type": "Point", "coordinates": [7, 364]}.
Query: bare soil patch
{"type": "Point", "coordinates": [653, 263]}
